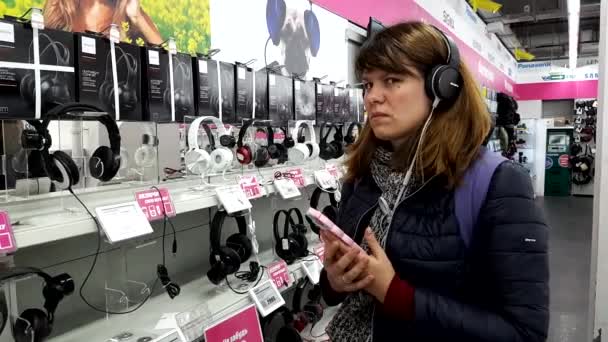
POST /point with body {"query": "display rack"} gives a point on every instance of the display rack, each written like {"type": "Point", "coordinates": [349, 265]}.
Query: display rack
{"type": "Point", "coordinates": [585, 121]}
{"type": "Point", "coordinates": [526, 145]}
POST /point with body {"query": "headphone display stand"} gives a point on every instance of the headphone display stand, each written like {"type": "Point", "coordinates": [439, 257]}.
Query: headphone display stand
{"type": "Point", "coordinates": [123, 290]}
{"type": "Point", "coordinates": [139, 154]}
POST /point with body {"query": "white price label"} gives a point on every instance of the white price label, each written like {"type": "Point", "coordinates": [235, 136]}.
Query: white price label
{"type": "Point", "coordinates": [7, 32]}
{"type": "Point", "coordinates": [202, 66]}
{"type": "Point", "coordinates": [313, 268]}
{"type": "Point", "coordinates": [88, 45]}
{"type": "Point", "coordinates": [241, 73]}
{"type": "Point", "coordinates": [233, 199]}
{"type": "Point", "coordinates": [336, 92]}
{"type": "Point", "coordinates": [271, 80]}
{"type": "Point", "coordinates": [325, 180]}
{"type": "Point", "coordinates": [123, 221]}
{"type": "Point", "coordinates": [319, 89]}
{"type": "Point", "coordinates": [351, 93]}
{"type": "Point", "coordinates": [114, 33]}
{"type": "Point", "coordinates": [37, 19]}
{"type": "Point", "coordinates": [266, 297]}
{"type": "Point", "coordinates": [287, 188]}
{"type": "Point", "coordinates": [153, 57]}
{"type": "Point", "coordinates": [172, 46]}
{"type": "Point", "coordinates": [297, 85]}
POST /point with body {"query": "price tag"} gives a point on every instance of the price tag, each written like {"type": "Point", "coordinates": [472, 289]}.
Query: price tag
{"type": "Point", "coordinates": [313, 268]}
{"type": "Point", "coordinates": [241, 73]}
{"type": "Point", "coordinates": [243, 326]}
{"type": "Point", "coordinates": [155, 203]}
{"type": "Point", "coordinates": [298, 177]}
{"type": "Point", "coordinates": [266, 297]}
{"type": "Point", "coordinates": [297, 85]}
{"type": "Point", "coordinates": [202, 66]}
{"type": "Point", "coordinates": [114, 33]}
{"type": "Point", "coordinates": [233, 199]}
{"type": "Point", "coordinates": [287, 188]}
{"type": "Point", "coordinates": [325, 180]}
{"type": "Point", "coordinates": [250, 186]}
{"type": "Point", "coordinates": [88, 45]}
{"type": "Point", "coordinates": [336, 92]}
{"type": "Point", "coordinates": [37, 19]}
{"type": "Point", "coordinates": [153, 57]}
{"type": "Point", "coordinates": [172, 46]}
{"type": "Point", "coordinates": [319, 89]}
{"type": "Point", "coordinates": [277, 271]}
{"type": "Point", "coordinates": [7, 32]}
{"type": "Point", "coordinates": [320, 252]}
{"type": "Point", "coordinates": [123, 221]}
{"type": "Point", "coordinates": [333, 171]}
{"type": "Point", "coordinates": [7, 239]}
{"type": "Point", "coordinates": [271, 80]}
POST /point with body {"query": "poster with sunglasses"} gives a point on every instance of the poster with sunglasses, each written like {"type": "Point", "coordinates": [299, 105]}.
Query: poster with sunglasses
{"type": "Point", "coordinates": [261, 95]}
{"type": "Point", "coordinates": [206, 87]}
{"type": "Point", "coordinates": [244, 93]}
{"type": "Point", "coordinates": [280, 99]}
{"type": "Point", "coordinates": [304, 99]}
{"type": "Point", "coordinates": [228, 92]}
{"type": "Point", "coordinates": [325, 102]}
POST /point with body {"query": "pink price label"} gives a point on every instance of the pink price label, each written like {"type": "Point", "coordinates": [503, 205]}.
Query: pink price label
{"type": "Point", "coordinates": [244, 326]}
{"type": "Point", "coordinates": [250, 186]}
{"type": "Point", "coordinates": [7, 239]}
{"type": "Point", "coordinates": [320, 252]}
{"type": "Point", "coordinates": [279, 274]}
{"type": "Point", "coordinates": [153, 206]}
{"type": "Point", "coordinates": [279, 136]}
{"type": "Point", "coordinates": [333, 171]}
{"type": "Point", "coordinates": [298, 177]}
{"type": "Point", "coordinates": [260, 135]}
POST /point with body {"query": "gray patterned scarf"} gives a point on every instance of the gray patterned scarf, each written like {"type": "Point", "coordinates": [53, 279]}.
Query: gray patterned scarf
{"type": "Point", "coordinates": [353, 321]}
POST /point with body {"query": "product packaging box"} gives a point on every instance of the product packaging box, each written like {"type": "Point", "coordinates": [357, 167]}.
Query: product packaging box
{"type": "Point", "coordinates": [325, 102]}
{"type": "Point", "coordinates": [354, 99]}
{"type": "Point", "coordinates": [261, 95]}
{"type": "Point", "coordinates": [17, 82]}
{"type": "Point", "coordinates": [341, 105]}
{"type": "Point", "coordinates": [206, 87]}
{"type": "Point", "coordinates": [228, 86]}
{"type": "Point", "coordinates": [183, 86]}
{"type": "Point", "coordinates": [304, 99]}
{"type": "Point", "coordinates": [244, 93]}
{"type": "Point", "coordinates": [95, 79]}
{"type": "Point", "coordinates": [155, 85]}
{"type": "Point", "coordinates": [280, 99]}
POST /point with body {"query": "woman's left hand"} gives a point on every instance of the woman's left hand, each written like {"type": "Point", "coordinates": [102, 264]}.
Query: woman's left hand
{"type": "Point", "coordinates": [133, 10]}
{"type": "Point", "coordinates": [379, 266]}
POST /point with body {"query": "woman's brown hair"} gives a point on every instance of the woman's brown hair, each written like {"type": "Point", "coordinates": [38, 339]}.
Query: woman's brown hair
{"type": "Point", "coordinates": [59, 14]}
{"type": "Point", "coordinates": [457, 130]}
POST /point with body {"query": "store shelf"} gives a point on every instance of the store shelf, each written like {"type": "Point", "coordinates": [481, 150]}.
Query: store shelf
{"type": "Point", "coordinates": [219, 299]}
{"type": "Point", "coordinates": [57, 216]}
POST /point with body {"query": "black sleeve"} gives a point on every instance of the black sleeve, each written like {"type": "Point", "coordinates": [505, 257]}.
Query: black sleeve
{"type": "Point", "coordinates": [513, 244]}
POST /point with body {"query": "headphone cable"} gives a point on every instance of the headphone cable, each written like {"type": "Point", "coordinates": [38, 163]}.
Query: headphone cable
{"type": "Point", "coordinates": [255, 270]}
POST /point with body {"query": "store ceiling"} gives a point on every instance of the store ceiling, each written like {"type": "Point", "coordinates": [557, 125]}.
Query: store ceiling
{"type": "Point", "coordinates": [541, 27]}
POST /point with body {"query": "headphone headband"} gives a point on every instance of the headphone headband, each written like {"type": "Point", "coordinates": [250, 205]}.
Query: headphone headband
{"type": "Point", "coordinates": [321, 131]}
{"type": "Point", "coordinates": [194, 126]}
{"type": "Point", "coordinates": [453, 58]}
{"type": "Point", "coordinates": [243, 131]}
{"type": "Point", "coordinates": [304, 123]}
{"type": "Point", "coordinates": [216, 228]}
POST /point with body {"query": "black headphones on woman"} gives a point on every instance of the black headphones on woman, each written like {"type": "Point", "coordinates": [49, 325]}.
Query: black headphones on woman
{"type": "Point", "coordinates": [60, 167]}
{"type": "Point", "coordinates": [226, 259]}
{"type": "Point", "coordinates": [36, 324]}
{"type": "Point", "coordinates": [294, 245]}
{"type": "Point", "coordinates": [443, 81]}
{"type": "Point", "coordinates": [331, 211]}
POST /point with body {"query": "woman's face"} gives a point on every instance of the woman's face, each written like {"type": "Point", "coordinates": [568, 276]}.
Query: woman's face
{"type": "Point", "coordinates": [397, 104]}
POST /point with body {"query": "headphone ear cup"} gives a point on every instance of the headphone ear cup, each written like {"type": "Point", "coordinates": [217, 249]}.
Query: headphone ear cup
{"type": "Point", "coordinates": [338, 148]}
{"type": "Point", "coordinates": [429, 81]}
{"type": "Point", "coordinates": [275, 17]}
{"type": "Point", "coordinates": [289, 142]}
{"type": "Point", "coordinates": [314, 148]}
{"type": "Point", "coordinates": [288, 255]}
{"type": "Point", "coordinates": [261, 157]}
{"type": "Point", "coordinates": [330, 212]}
{"type": "Point", "coordinates": [312, 31]}
{"type": "Point", "coordinates": [221, 158]}
{"type": "Point", "coordinates": [241, 244]}
{"type": "Point", "coordinates": [301, 247]}
{"type": "Point", "coordinates": [27, 87]}
{"type": "Point", "coordinates": [144, 156]}
{"type": "Point", "coordinates": [197, 161]}
{"type": "Point", "coordinates": [228, 263]}
{"type": "Point", "coordinates": [444, 82]}
{"type": "Point", "coordinates": [102, 165]}
{"type": "Point", "coordinates": [243, 154]}
{"type": "Point", "coordinates": [37, 330]}
{"type": "Point", "coordinates": [289, 334]}
{"type": "Point", "coordinates": [66, 172]}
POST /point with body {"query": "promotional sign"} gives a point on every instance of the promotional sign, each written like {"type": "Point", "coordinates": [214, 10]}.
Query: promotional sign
{"type": "Point", "coordinates": [250, 186]}
{"type": "Point", "coordinates": [298, 177]}
{"type": "Point", "coordinates": [243, 326]}
{"type": "Point", "coordinates": [333, 170]}
{"type": "Point", "coordinates": [7, 239]}
{"type": "Point", "coordinates": [155, 203]}
{"type": "Point", "coordinates": [277, 271]}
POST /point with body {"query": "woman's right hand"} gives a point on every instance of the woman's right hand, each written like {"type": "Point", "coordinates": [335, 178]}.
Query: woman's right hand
{"type": "Point", "coordinates": [345, 266]}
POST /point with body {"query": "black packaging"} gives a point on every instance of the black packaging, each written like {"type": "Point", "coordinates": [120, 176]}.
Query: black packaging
{"type": "Point", "coordinates": [325, 102]}
{"type": "Point", "coordinates": [183, 86]}
{"type": "Point", "coordinates": [17, 85]}
{"type": "Point", "coordinates": [155, 85]}
{"type": "Point", "coordinates": [206, 83]}
{"type": "Point", "coordinates": [228, 92]}
{"type": "Point", "coordinates": [95, 80]}
{"type": "Point", "coordinates": [353, 113]}
{"type": "Point", "coordinates": [280, 99]}
{"type": "Point", "coordinates": [341, 105]}
{"type": "Point", "coordinates": [304, 99]}
{"type": "Point", "coordinates": [244, 93]}
{"type": "Point", "coordinates": [261, 95]}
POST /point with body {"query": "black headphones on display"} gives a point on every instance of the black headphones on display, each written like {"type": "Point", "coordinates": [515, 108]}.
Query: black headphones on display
{"type": "Point", "coordinates": [276, 151]}
{"type": "Point", "coordinates": [103, 163]}
{"type": "Point", "coordinates": [288, 142]}
{"type": "Point", "coordinates": [226, 259]}
{"type": "Point", "coordinates": [183, 99]}
{"type": "Point", "coordinates": [36, 324]}
{"type": "Point", "coordinates": [294, 245]}
{"type": "Point", "coordinates": [350, 138]}
{"type": "Point", "coordinates": [443, 81]}
{"type": "Point", "coordinates": [53, 85]}
{"type": "Point", "coordinates": [331, 211]}
{"type": "Point", "coordinates": [287, 332]}
{"type": "Point", "coordinates": [243, 152]}
{"type": "Point", "coordinates": [262, 153]}
{"type": "Point", "coordinates": [312, 311]}
{"type": "Point", "coordinates": [126, 89]}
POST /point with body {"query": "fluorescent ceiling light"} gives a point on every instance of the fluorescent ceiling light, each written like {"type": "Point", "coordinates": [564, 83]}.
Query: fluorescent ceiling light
{"type": "Point", "coordinates": [574, 7]}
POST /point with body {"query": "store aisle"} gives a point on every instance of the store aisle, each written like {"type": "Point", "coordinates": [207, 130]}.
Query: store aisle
{"type": "Point", "coordinates": [570, 219]}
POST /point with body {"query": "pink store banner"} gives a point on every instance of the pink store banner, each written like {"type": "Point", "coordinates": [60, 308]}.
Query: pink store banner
{"type": "Point", "coordinates": [556, 90]}
{"type": "Point", "coordinates": [393, 11]}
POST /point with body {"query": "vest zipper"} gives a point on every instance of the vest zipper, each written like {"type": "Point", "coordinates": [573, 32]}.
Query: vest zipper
{"type": "Point", "coordinates": [360, 218]}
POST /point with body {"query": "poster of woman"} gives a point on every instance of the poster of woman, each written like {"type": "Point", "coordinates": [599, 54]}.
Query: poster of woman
{"type": "Point", "coordinates": [140, 21]}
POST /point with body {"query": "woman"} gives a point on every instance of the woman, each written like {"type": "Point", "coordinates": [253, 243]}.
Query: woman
{"type": "Point", "coordinates": [421, 280]}
{"type": "Point", "coordinates": [98, 15]}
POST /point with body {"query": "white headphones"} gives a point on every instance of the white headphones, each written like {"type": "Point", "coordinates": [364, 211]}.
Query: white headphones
{"type": "Point", "coordinates": [303, 150]}
{"type": "Point", "coordinates": [198, 160]}
{"type": "Point", "coordinates": [145, 155]}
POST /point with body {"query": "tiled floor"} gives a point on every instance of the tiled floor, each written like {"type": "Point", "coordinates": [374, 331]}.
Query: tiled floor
{"type": "Point", "coordinates": [570, 219]}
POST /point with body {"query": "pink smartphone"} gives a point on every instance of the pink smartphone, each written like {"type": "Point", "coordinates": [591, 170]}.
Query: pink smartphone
{"type": "Point", "coordinates": [326, 224]}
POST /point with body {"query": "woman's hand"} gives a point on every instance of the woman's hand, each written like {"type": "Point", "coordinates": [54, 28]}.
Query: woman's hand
{"type": "Point", "coordinates": [346, 266]}
{"type": "Point", "coordinates": [133, 11]}
{"type": "Point", "coordinates": [379, 267]}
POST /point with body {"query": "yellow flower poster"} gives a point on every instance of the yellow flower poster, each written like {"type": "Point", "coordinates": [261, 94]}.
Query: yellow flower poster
{"type": "Point", "coordinates": [140, 21]}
